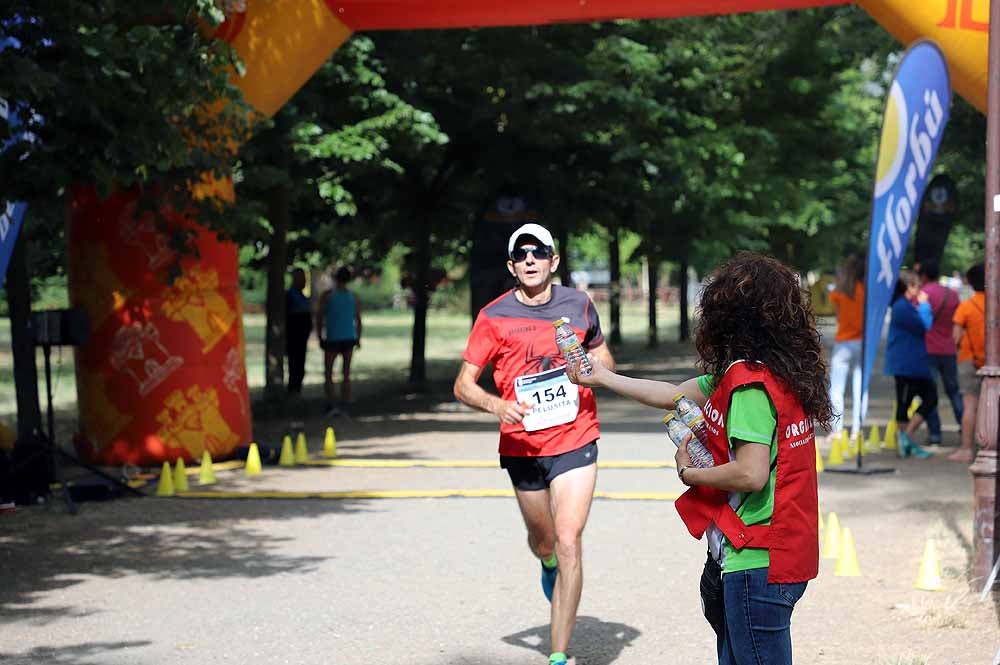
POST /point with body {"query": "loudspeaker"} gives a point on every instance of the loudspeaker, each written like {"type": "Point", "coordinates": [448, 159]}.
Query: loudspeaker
{"type": "Point", "coordinates": [25, 472]}
{"type": "Point", "coordinates": [60, 327]}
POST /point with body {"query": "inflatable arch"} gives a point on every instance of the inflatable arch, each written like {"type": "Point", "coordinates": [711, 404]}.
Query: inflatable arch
{"type": "Point", "coordinates": [164, 375]}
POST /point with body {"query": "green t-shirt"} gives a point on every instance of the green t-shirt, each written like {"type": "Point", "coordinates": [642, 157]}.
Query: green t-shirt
{"type": "Point", "coordinates": [751, 418]}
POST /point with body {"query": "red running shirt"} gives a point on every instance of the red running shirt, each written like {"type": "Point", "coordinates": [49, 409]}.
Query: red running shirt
{"type": "Point", "coordinates": [519, 340]}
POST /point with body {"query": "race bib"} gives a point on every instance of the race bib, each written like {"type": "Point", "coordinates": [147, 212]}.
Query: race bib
{"type": "Point", "coordinates": [554, 399]}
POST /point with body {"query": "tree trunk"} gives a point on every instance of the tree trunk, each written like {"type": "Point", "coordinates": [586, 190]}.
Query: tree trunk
{"type": "Point", "coordinates": [421, 295]}
{"type": "Point", "coordinates": [278, 203]}
{"type": "Point", "coordinates": [562, 242]}
{"type": "Point", "coordinates": [615, 264]}
{"type": "Point", "coordinates": [274, 339]}
{"type": "Point", "coordinates": [25, 370]}
{"type": "Point", "coordinates": [685, 325]}
{"type": "Point", "coordinates": [654, 282]}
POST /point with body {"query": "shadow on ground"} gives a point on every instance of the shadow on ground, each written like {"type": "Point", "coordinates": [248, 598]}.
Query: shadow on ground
{"type": "Point", "coordinates": [88, 653]}
{"type": "Point", "coordinates": [598, 642]}
{"type": "Point", "coordinates": [45, 549]}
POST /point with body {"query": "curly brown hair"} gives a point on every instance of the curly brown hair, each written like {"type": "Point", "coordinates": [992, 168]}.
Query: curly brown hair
{"type": "Point", "coordinates": [753, 308]}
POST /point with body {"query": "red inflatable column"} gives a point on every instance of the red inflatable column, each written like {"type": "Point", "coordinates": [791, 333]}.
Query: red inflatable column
{"type": "Point", "coordinates": [163, 374]}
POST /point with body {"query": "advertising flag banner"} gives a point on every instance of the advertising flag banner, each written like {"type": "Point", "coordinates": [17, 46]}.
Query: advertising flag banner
{"type": "Point", "coordinates": [11, 212]}
{"type": "Point", "coordinates": [916, 112]}
{"type": "Point", "coordinates": [937, 214]}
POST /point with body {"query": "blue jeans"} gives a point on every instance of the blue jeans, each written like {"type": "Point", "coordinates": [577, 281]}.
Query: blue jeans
{"type": "Point", "coordinates": [945, 368]}
{"type": "Point", "coordinates": [758, 619]}
{"type": "Point", "coordinates": [846, 360]}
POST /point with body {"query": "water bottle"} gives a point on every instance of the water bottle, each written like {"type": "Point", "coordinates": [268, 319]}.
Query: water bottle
{"type": "Point", "coordinates": [571, 348]}
{"type": "Point", "coordinates": [681, 434]}
{"type": "Point", "coordinates": [691, 415]}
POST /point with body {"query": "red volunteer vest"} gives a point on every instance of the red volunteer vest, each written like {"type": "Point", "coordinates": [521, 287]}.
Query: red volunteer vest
{"type": "Point", "coordinates": [792, 538]}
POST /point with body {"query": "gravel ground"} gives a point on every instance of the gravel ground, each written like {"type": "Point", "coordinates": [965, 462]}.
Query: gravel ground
{"type": "Point", "coordinates": [450, 581]}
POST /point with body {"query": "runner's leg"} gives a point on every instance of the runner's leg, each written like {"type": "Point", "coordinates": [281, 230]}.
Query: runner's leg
{"type": "Point", "coordinates": [537, 516]}
{"type": "Point", "coordinates": [571, 495]}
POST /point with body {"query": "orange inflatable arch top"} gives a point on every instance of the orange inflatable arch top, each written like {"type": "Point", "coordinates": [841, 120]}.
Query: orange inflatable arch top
{"type": "Point", "coordinates": [284, 41]}
{"type": "Point", "coordinates": [164, 376]}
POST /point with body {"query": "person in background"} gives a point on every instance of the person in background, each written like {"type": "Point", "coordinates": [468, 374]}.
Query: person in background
{"type": "Point", "coordinates": [941, 358]}
{"type": "Point", "coordinates": [338, 326]}
{"type": "Point", "coordinates": [969, 333]}
{"type": "Point", "coordinates": [906, 359]}
{"type": "Point", "coordinates": [848, 297]}
{"type": "Point", "coordinates": [298, 325]}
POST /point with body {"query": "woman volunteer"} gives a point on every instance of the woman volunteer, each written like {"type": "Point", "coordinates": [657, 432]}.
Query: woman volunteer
{"type": "Point", "coordinates": [764, 386]}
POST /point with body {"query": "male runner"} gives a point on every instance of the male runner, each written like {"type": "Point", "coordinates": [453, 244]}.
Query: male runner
{"type": "Point", "coordinates": [548, 426]}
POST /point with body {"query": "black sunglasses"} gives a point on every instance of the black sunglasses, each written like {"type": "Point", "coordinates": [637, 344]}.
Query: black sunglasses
{"type": "Point", "coordinates": [540, 253]}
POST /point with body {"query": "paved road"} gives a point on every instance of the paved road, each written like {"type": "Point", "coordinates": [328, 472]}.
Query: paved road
{"type": "Point", "coordinates": [450, 581]}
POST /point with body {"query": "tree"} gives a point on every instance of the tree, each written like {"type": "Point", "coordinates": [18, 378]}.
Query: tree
{"type": "Point", "coordinates": [308, 174]}
{"type": "Point", "coordinates": [113, 95]}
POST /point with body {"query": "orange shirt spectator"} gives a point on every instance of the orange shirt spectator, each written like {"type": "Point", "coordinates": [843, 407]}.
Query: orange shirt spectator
{"type": "Point", "coordinates": [971, 317]}
{"type": "Point", "coordinates": [850, 313]}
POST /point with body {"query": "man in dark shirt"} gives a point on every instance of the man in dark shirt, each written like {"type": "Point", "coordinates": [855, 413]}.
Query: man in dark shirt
{"type": "Point", "coordinates": [298, 323]}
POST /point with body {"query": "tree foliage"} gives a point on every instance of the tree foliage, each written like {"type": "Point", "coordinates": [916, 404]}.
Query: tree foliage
{"type": "Point", "coordinates": [118, 94]}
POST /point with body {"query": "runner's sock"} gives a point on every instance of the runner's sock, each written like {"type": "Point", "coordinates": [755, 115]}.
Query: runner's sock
{"type": "Point", "coordinates": [551, 562]}
{"type": "Point", "coordinates": [557, 657]}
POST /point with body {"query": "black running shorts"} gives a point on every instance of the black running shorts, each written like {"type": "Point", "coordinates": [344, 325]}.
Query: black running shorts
{"type": "Point", "coordinates": [536, 473]}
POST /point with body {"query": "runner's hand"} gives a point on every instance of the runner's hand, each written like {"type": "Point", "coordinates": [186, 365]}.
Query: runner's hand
{"type": "Point", "coordinates": [511, 413]}
{"type": "Point", "coordinates": [596, 377]}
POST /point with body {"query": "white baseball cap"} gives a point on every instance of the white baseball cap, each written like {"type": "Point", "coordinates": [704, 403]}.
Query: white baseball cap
{"type": "Point", "coordinates": [535, 231]}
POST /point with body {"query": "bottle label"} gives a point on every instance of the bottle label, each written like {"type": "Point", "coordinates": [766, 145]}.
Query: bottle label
{"type": "Point", "coordinates": [554, 399]}
{"type": "Point", "coordinates": [569, 347]}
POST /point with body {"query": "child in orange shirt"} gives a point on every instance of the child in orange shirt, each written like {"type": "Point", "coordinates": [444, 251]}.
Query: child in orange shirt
{"type": "Point", "coordinates": [969, 333]}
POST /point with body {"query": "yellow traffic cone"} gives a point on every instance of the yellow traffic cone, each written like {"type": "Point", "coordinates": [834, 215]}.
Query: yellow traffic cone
{"type": "Point", "coordinates": [874, 440]}
{"type": "Point", "coordinates": [301, 451]}
{"type": "Point", "coordinates": [819, 461]}
{"type": "Point", "coordinates": [287, 457]}
{"type": "Point", "coordinates": [889, 443]}
{"type": "Point", "coordinates": [330, 443]}
{"type": "Point", "coordinates": [929, 576]}
{"type": "Point", "coordinates": [831, 547]}
{"type": "Point", "coordinates": [253, 461]}
{"type": "Point", "coordinates": [206, 474]}
{"type": "Point", "coordinates": [914, 405]}
{"type": "Point", "coordinates": [180, 476]}
{"type": "Point", "coordinates": [859, 443]}
{"type": "Point", "coordinates": [836, 454]}
{"type": "Point", "coordinates": [166, 485]}
{"type": "Point", "coordinates": [847, 562]}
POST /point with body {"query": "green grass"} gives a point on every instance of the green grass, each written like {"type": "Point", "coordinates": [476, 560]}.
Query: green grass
{"type": "Point", "coordinates": [383, 360]}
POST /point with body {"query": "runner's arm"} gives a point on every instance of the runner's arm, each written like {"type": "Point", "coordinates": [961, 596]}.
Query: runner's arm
{"type": "Point", "coordinates": [748, 472]}
{"type": "Point", "coordinates": [657, 394]}
{"type": "Point", "coordinates": [603, 353]}
{"type": "Point", "coordinates": [469, 392]}
{"type": "Point", "coordinates": [957, 332]}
